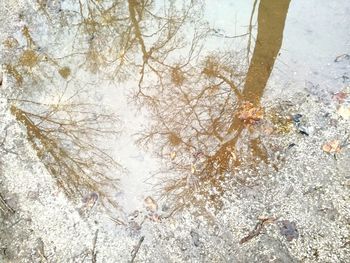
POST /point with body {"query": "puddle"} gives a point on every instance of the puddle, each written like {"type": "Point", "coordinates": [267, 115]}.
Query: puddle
{"type": "Point", "coordinates": [136, 98]}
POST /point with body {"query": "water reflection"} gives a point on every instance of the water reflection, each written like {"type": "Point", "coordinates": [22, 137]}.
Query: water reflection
{"type": "Point", "coordinates": [108, 38]}
{"type": "Point", "coordinates": [28, 63]}
{"type": "Point", "coordinates": [271, 19]}
{"type": "Point", "coordinates": [66, 138]}
{"type": "Point", "coordinates": [208, 120]}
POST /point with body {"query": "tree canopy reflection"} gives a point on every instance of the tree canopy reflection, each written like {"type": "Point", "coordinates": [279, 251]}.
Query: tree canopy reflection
{"type": "Point", "coordinates": [205, 104]}
{"type": "Point", "coordinates": [207, 114]}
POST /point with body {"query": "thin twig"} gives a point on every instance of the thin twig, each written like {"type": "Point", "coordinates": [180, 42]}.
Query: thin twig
{"type": "Point", "coordinates": [136, 249]}
{"type": "Point", "coordinates": [117, 221]}
{"type": "Point", "coordinates": [94, 251]}
{"type": "Point", "coordinates": [257, 229]}
{"type": "Point", "coordinates": [5, 207]}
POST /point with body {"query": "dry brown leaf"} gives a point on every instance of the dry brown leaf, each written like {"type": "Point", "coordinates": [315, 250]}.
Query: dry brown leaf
{"type": "Point", "coordinates": [332, 147]}
{"type": "Point", "coordinates": [340, 97]}
{"type": "Point", "coordinates": [155, 218]}
{"type": "Point", "coordinates": [150, 204]}
{"type": "Point", "coordinates": [249, 113]}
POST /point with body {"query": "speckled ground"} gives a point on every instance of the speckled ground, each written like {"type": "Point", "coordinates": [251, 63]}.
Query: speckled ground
{"type": "Point", "coordinates": [297, 211]}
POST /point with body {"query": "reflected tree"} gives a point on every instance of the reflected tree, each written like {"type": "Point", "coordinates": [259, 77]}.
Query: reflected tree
{"type": "Point", "coordinates": [120, 37]}
{"type": "Point", "coordinates": [208, 116]}
{"type": "Point", "coordinates": [65, 137]}
{"type": "Point", "coordinates": [124, 37]}
{"type": "Point", "coordinates": [205, 105]}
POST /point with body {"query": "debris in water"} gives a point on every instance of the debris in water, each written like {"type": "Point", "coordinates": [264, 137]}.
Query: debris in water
{"type": "Point", "coordinates": [193, 168]}
{"type": "Point", "coordinates": [291, 145]}
{"type": "Point", "coordinates": [301, 128]}
{"type": "Point", "coordinates": [5, 207]}
{"type": "Point", "coordinates": [136, 249]}
{"type": "Point", "coordinates": [134, 226]}
{"type": "Point", "coordinates": [154, 217]}
{"type": "Point", "coordinates": [90, 199]}
{"type": "Point", "coordinates": [173, 155]}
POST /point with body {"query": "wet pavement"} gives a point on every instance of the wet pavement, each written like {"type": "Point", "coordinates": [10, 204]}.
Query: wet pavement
{"type": "Point", "coordinates": [155, 106]}
{"type": "Point", "coordinates": [186, 83]}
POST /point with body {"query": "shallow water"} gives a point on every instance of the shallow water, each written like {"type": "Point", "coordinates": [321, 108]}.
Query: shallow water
{"type": "Point", "coordinates": [187, 82]}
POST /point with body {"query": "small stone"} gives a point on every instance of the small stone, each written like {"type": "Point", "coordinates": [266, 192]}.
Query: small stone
{"type": "Point", "coordinates": [304, 130]}
{"type": "Point", "coordinates": [289, 230]}
{"type": "Point", "coordinates": [296, 118]}
{"type": "Point", "coordinates": [195, 238]}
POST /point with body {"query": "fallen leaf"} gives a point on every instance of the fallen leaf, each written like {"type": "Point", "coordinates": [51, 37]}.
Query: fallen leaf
{"type": "Point", "coordinates": [151, 204]}
{"type": "Point", "coordinates": [332, 147]}
{"type": "Point", "coordinates": [249, 113]}
{"type": "Point", "coordinates": [344, 112]}
{"type": "Point", "coordinates": [340, 97]}
{"type": "Point", "coordinates": [154, 217]}
{"type": "Point", "coordinates": [173, 155]}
